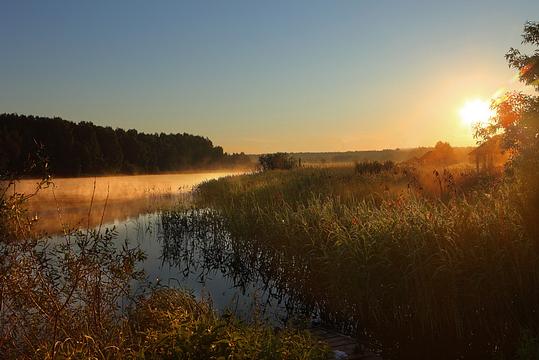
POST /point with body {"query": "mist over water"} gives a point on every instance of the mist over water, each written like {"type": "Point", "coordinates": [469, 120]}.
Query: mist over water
{"type": "Point", "coordinates": [71, 203]}
{"type": "Point", "coordinates": [132, 206]}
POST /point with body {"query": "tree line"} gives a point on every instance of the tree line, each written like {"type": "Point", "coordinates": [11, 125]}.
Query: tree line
{"type": "Point", "coordinates": [74, 149]}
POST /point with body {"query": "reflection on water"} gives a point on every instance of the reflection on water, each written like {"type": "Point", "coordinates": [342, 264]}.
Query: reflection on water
{"type": "Point", "coordinates": [202, 243]}
{"type": "Point", "coordinates": [86, 202]}
{"type": "Point", "coordinates": [196, 243]}
{"type": "Point", "coordinates": [185, 249]}
{"type": "Point", "coordinates": [201, 258]}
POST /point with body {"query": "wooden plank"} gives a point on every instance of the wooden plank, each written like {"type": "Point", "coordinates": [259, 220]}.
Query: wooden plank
{"type": "Point", "coordinates": [336, 343]}
{"type": "Point", "coordinates": [349, 349]}
{"type": "Point", "coordinates": [346, 344]}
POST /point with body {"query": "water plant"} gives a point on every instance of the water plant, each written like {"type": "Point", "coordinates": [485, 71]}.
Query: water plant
{"type": "Point", "coordinates": [455, 277]}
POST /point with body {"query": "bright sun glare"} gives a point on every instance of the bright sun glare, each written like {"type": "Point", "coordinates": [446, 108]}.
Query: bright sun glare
{"type": "Point", "coordinates": [476, 112]}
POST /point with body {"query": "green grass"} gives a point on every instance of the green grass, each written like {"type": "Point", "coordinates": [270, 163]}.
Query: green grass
{"type": "Point", "coordinates": [454, 275]}
{"type": "Point", "coordinates": [173, 325]}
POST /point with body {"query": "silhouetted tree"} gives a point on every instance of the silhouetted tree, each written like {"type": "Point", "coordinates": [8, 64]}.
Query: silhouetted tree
{"type": "Point", "coordinates": [442, 154]}
{"type": "Point", "coordinates": [517, 119]}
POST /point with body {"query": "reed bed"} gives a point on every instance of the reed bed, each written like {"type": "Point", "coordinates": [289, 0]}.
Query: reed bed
{"type": "Point", "coordinates": [453, 274]}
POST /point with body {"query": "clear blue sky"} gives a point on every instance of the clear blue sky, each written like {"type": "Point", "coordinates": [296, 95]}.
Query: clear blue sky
{"type": "Point", "coordinates": [259, 76]}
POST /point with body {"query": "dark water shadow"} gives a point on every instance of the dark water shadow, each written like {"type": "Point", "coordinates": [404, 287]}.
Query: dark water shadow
{"type": "Point", "coordinates": [197, 243]}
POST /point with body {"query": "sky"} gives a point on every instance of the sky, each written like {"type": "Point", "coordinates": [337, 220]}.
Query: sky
{"type": "Point", "coordinates": [253, 76]}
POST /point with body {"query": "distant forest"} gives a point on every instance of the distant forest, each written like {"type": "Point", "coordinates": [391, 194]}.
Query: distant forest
{"type": "Point", "coordinates": [458, 154]}
{"type": "Point", "coordinates": [86, 149]}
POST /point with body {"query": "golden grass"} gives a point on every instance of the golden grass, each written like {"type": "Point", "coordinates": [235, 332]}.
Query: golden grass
{"type": "Point", "coordinates": [453, 272]}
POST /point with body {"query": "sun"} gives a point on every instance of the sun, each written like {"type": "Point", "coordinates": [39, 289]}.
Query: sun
{"type": "Point", "coordinates": [476, 112]}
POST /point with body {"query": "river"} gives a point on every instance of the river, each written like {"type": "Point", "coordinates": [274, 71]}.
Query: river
{"type": "Point", "coordinates": [88, 201]}
{"type": "Point", "coordinates": [132, 206]}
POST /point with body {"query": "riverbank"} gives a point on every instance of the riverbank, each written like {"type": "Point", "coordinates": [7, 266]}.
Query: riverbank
{"type": "Point", "coordinates": [85, 295]}
{"type": "Point", "coordinates": [421, 263]}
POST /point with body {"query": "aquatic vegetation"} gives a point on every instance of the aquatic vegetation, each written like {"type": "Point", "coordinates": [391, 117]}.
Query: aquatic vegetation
{"type": "Point", "coordinates": [420, 274]}
{"type": "Point", "coordinates": [197, 242]}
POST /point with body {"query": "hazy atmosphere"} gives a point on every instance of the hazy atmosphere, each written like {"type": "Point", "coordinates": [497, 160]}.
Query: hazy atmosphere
{"type": "Point", "coordinates": [278, 180]}
{"type": "Point", "coordinates": [345, 75]}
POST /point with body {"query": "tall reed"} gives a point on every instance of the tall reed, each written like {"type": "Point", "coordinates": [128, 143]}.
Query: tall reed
{"type": "Point", "coordinates": [424, 276]}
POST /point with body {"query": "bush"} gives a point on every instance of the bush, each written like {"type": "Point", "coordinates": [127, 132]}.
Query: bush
{"type": "Point", "coordinates": [373, 167]}
{"type": "Point", "coordinates": [174, 325]}
{"type": "Point", "coordinates": [276, 161]}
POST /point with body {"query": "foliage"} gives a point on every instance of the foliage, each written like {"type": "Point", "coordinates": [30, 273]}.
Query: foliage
{"type": "Point", "coordinates": [517, 114]}
{"type": "Point", "coordinates": [517, 120]}
{"type": "Point", "coordinates": [64, 294]}
{"type": "Point", "coordinates": [173, 325]}
{"type": "Point", "coordinates": [276, 161]}
{"type": "Point", "coordinates": [14, 222]}
{"type": "Point", "coordinates": [373, 167]}
{"type": "Point", "coordinates": [527, 65]}
{"type": "Point", "coordinates": [84, 148]}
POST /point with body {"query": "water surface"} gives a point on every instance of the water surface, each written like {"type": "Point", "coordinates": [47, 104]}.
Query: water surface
{"type": "Point", "coordinates": [133, 205]}
{"type": "Point", "coordinates": [88, 201]}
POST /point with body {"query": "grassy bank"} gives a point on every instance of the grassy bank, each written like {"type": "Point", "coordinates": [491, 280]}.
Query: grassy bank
{"type": "Point", "coordinates": [171, 324]}
{"type": "Point", "coordinates": [426, 264]}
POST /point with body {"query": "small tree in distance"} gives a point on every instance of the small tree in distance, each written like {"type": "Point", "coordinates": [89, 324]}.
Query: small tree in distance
{"type": "Point", "coordinates": [280, 160]}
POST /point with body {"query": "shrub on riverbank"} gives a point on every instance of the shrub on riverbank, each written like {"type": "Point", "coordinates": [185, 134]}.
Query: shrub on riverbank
{"type": "Point", "coordinates": [276, 161]}
{"type": "Point", "coordinates": [173, 325]}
